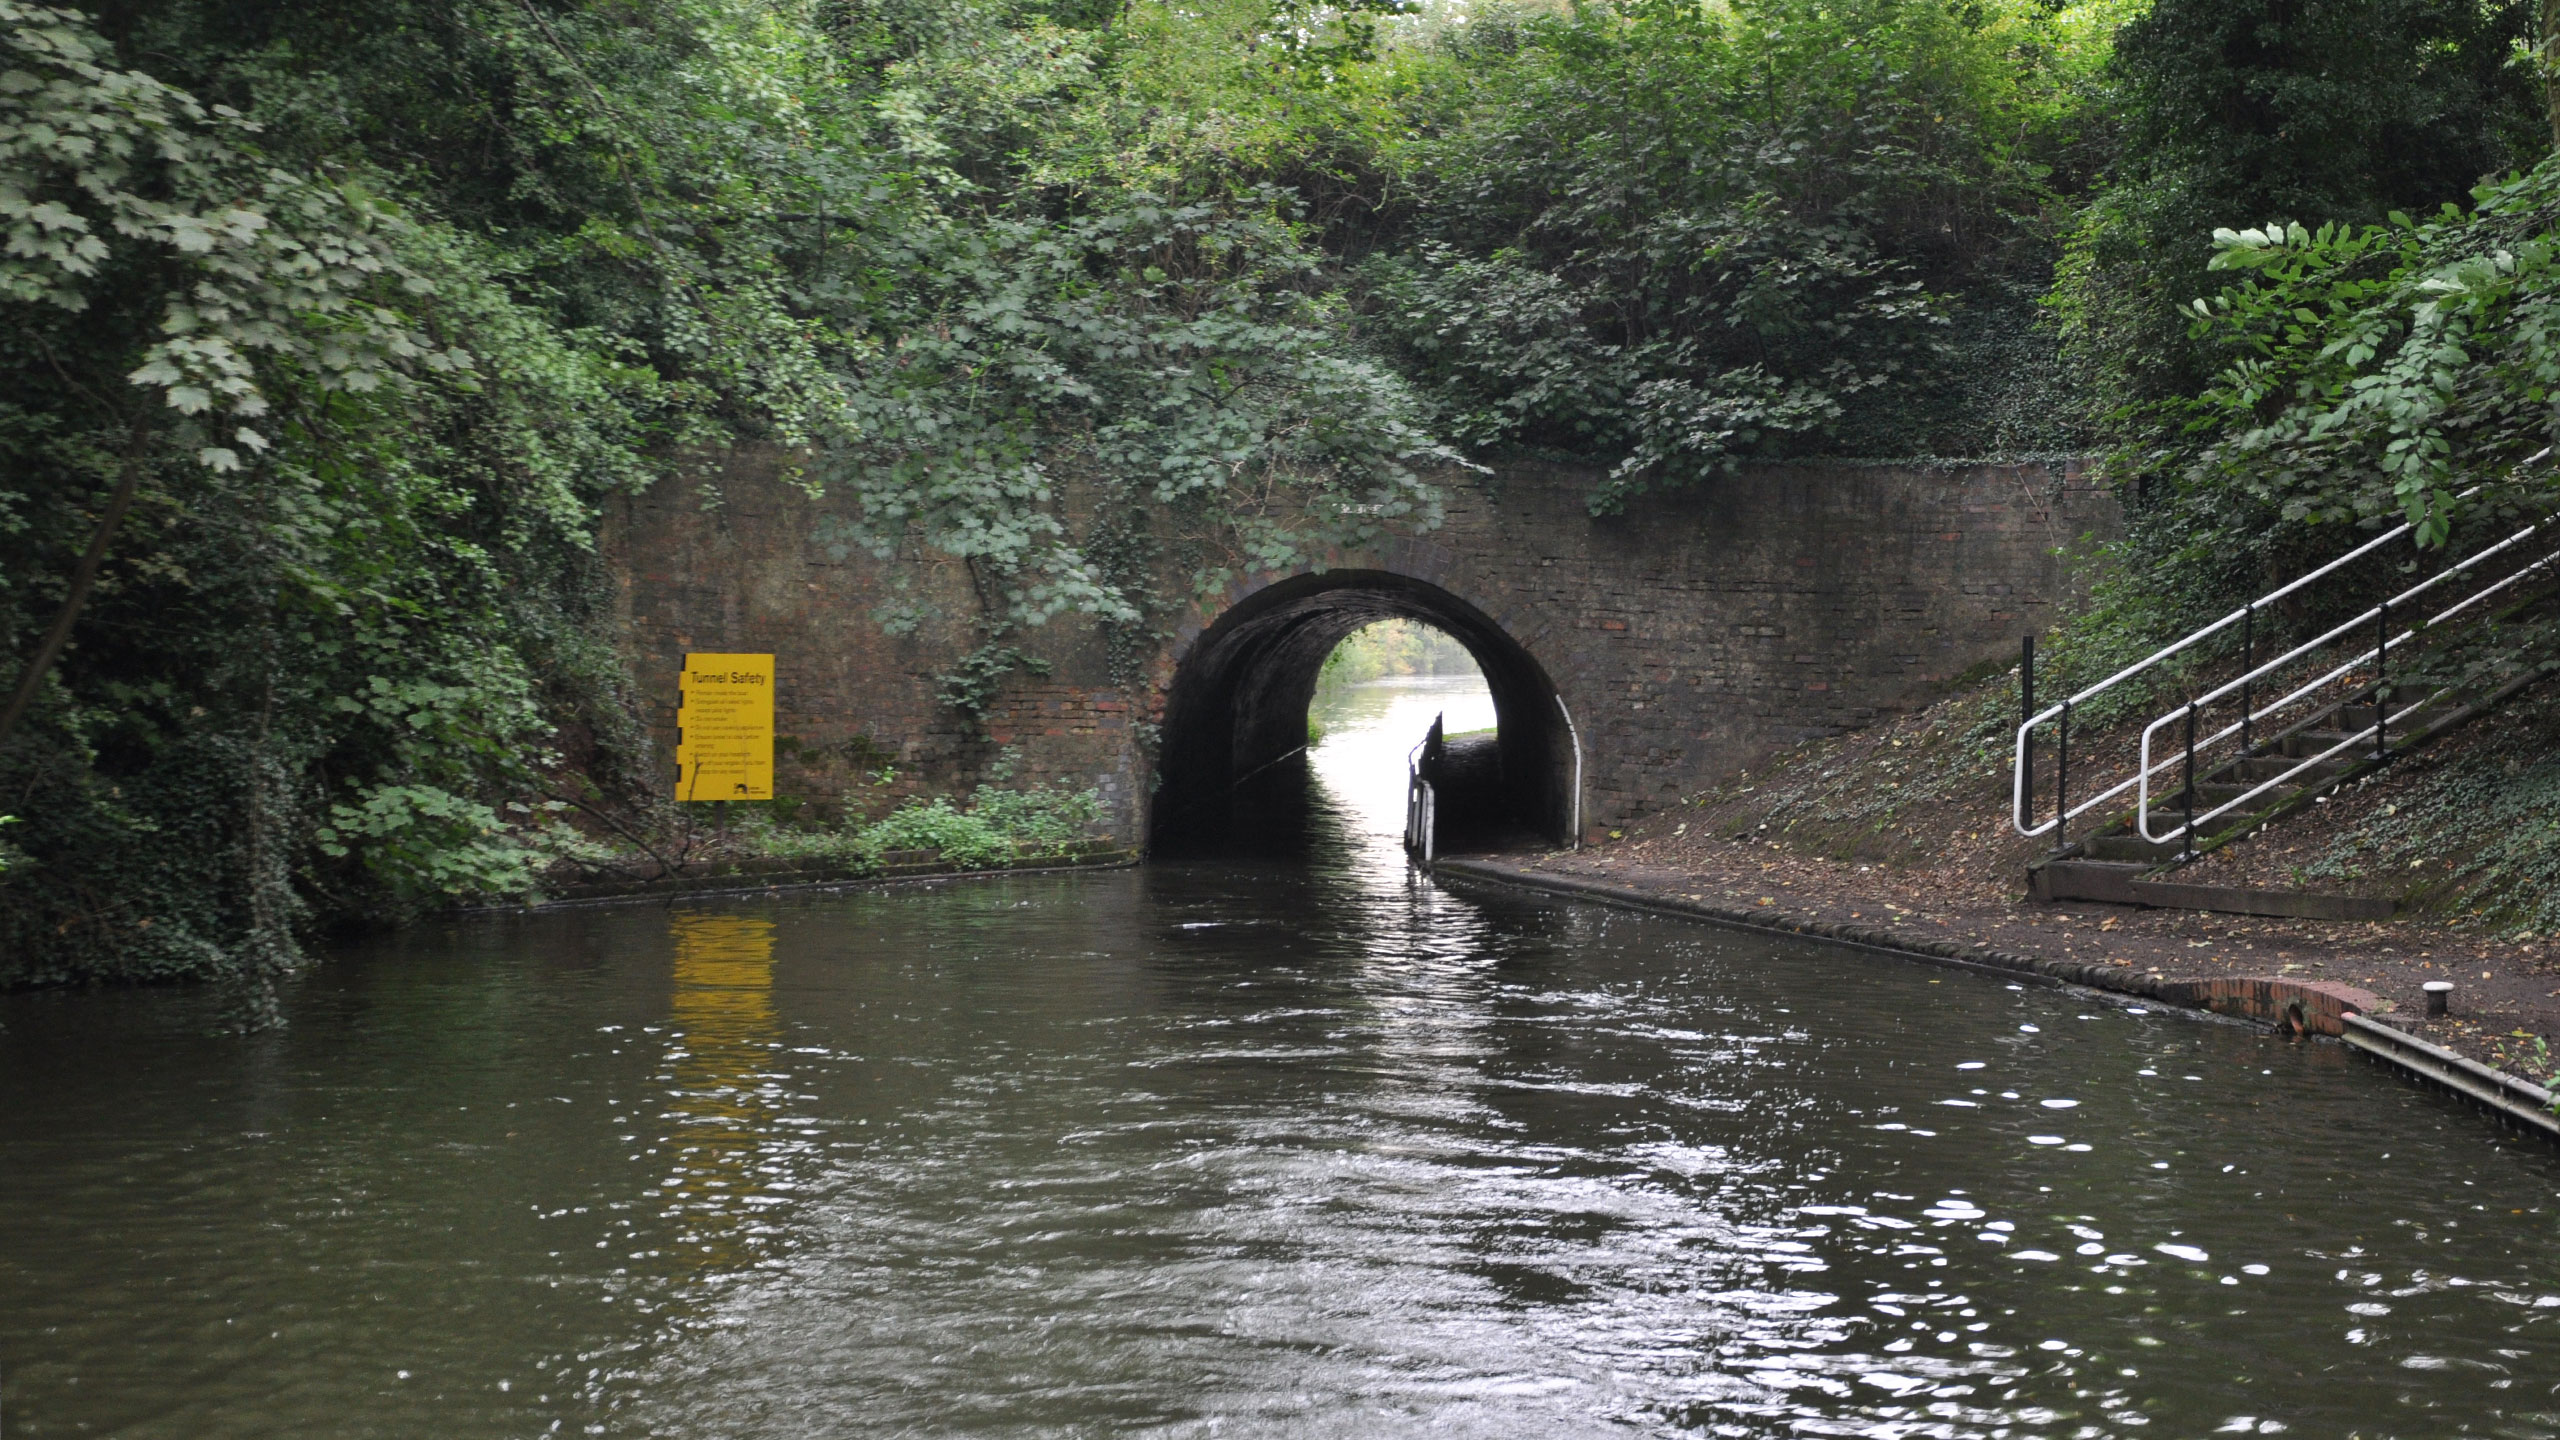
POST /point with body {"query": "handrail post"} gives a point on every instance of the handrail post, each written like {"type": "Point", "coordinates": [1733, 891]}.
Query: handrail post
{"type": "Point", "coordinates": [2317, 684]}
{"type": "Point", "coordinates": [2190, 837]}
{"type": "Point", "coordinates": [2026, 715]}
{"type": "Point", "coordinates": [2381, 679]}
{"type": "Point", "coordinates": [2248, 672]}
{"type": "Point", "coordinates": [2062, 782]}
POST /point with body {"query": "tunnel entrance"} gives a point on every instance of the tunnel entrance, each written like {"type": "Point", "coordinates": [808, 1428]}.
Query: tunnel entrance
{"type": "Point", "coordinates": [1239, 703]}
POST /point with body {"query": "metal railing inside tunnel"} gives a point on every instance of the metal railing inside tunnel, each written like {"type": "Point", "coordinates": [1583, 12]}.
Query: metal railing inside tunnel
{"type": "Point", "coordinates": [1421, 801]}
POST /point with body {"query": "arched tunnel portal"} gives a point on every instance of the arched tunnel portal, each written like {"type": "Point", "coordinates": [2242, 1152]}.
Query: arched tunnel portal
{"type": "Point", "coordinates": [1240, 694]}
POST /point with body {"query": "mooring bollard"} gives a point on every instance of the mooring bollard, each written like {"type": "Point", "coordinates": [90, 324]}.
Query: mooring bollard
{"type": "Point", "coordinates": [2439, 996]}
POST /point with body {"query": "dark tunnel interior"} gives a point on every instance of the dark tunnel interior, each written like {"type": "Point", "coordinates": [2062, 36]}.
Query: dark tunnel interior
{"type": "Point", "coordinates": [1239, 704]}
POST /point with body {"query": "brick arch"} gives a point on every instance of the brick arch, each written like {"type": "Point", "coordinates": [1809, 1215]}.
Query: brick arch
{"type": "Point", "coordinates": [1691, 636]}
{"type": "Point", "coordinates": [1240, 689]}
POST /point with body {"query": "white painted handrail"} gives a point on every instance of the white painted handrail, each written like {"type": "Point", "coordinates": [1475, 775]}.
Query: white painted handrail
{"type": "Point", "coordinates": [2375, 733]}
{"type": "Point", "coordinates": [2140, 781]}
{"type": "Point", "coordinates": [1575, 736]}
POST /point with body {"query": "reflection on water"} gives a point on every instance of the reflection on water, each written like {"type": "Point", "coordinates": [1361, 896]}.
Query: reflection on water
{"type": "Point", "coordinates": [1332, 817]}
{"type": "Point", "coordinates": [724, 1094]}
{"type": "Point", "coordinates": [1370, 731]}
{"type": "Point", "coordinates": [1237, 1149]}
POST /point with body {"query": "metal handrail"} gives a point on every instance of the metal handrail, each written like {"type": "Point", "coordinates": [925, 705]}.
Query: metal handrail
{"type": "Point", "coordinates": [2139, 781]}
{"type": "Point", "coordinates": [2377, 732]}
{"type": "Point", "coordinates": [1421, 807]}
{"type": "Point", "coordinates": [2018, 797]}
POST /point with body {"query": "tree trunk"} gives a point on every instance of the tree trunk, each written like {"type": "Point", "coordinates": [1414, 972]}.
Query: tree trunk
{"type": "Point", "coordinates": [136, 451]}
{"type": "Point", "coordinates": [2546, 54]}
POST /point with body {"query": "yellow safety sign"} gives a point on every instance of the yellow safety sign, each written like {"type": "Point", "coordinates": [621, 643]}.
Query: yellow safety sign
{"type": "Point", "coordinates": [724, 728]}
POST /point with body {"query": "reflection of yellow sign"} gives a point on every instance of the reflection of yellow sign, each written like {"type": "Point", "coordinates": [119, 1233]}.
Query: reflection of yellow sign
{"type": "Point", "coordinates": [724, 732]}
{"type": "Point", "coordinates": [725, 1097]}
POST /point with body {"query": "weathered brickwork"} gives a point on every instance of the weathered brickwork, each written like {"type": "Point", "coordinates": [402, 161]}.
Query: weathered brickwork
{"type": "Point", "coordinates": [1701, 630]}
{"type": "Point", "coordinates": [2317, 1007]}
{"type": "Point", "coordinates": [1689, 637]}
{"type": "Point", "coordinates": [761, 566]}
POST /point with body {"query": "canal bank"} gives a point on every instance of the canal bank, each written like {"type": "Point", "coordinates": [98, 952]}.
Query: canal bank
{"type": "Point", "coordinates": [2457, 1050]}
{"type": "Point", "coordinates": [1905, 825]}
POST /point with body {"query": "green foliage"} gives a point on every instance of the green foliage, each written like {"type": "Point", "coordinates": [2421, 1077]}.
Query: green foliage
{"type": "Point", "coordinates": [2490, 820]}
{"type": "Point", "coordinates": [2520, 1052]}
{"type": "Point", "coordinates": [1393, 647]}
{"type": "Point", "coordinates": [970, 685]}
{"type": "Point", "coordinates": [307, 674]}
{"type": "Point", "coordinates": [2329, 389]}
{"type": "Point", "coordinates": [249, 271]}
{"type": "Point", "coordinates": [999, 827]}
{"type": "Point", "coordinates": [1181, 355]}
{"type": "Point", "coordinates": [383, 298]}
{"type": "Point", "coordinates": [378, 301]}
{"type": "Point", "coordinates": [1036, 287]}
{"type": "Point", "coordinates": [2227, 115]}
{"type": "Point", "coordinates": [2377, 370]}
{"type": "Point", "coordinates": [2371, 375]}
{"type": "Point", "coordinates": [1690, 235]}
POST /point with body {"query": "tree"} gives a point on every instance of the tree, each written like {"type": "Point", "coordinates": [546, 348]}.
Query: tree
{"type": "Point", "coordinates": [2234, 115]}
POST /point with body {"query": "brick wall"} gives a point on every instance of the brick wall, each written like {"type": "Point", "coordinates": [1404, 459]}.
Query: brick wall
{"type": "Point", "coordinates": [1690, 637]}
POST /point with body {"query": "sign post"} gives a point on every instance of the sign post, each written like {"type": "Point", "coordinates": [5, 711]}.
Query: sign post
{"type": "Point", "coordinates": [724, 728]}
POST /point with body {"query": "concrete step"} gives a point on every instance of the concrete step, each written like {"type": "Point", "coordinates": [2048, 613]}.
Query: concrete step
{"type": "Point", "coordinates": [2124, 846]}
{"type": "Point", "coordinates": [2406, 727]}
{"type": "Point", "coordinates": [2303, 743]}
{"type": "Point", "coordinates": [2123, 882]}
{"type": "Point", "coordinates": [2268, 767]}
{"type": "Point", "coordinates": [2415, 717]}
{"type": "Point", "coordinates": [2238, 900]}
{"type": "Point", "coordinates": [2215, 792]}
{"type": "Point", "coordinates": [2173, 803]}
{"type": "Point", "coordinates": [2077, 879]}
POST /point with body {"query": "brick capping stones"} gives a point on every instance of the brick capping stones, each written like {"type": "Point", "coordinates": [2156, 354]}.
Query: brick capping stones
{"type": "Point", "coordinates": [2301, 1006]}
{"type": "Point", "coordinates": [751, 878]}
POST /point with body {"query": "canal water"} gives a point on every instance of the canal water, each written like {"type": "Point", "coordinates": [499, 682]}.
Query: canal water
{"type": "Point", "coordinates": [1302, 1148]}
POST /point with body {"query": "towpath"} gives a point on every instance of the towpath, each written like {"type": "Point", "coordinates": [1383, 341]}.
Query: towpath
{"type": "Point", "coordinates": [2505, 993]}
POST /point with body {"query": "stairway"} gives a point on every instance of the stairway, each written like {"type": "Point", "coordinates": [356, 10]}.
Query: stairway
{"type": "Point", "coordinates": [2346, 723]}
{"type": "Point", "coordinates": [2116, 864]}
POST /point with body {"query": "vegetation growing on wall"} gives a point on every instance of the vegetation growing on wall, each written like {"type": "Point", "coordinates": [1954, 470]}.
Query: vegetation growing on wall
{"type": "Point", "coordinates": [1000, 824]}
{"type": "Point", "coordinates": [338, 321]}
{"type": "Point", "coordinates": [1682, 236]}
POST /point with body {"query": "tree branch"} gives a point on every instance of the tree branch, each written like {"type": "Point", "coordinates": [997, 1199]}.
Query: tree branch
{"type": "Point", "coordinates": [665, 865]}
{"type": "Point", "coordinates": [137, 450]}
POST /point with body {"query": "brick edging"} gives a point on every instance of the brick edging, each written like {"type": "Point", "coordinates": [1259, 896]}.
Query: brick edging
{"type": "Point", "coordinates": [671, 894]}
